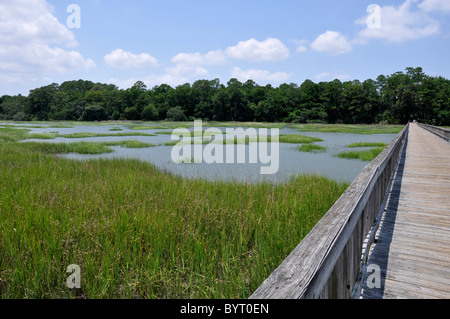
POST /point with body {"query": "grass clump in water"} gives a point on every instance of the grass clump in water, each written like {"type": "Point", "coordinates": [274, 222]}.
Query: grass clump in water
{"type": "Point", "coordinates": [364, 155]}
{"type": "Point", "coordinates": [87, 148]}
{"type": "Point", "coordinates": [298, 139]}
{"type": "Point", "coordinates": [129, 144]}
{"type": "Point", "coordinates": [368, 155]}
{"type": "Point", "coordinates": [87, 135]}
{"type": "Point", "coordinates": [147, 127]}
{"type": "Point", "coordinates": [91, 148]}
{"type": "Point", "coordinates": [312, 148]}
{"type": "Point", "coordinates": [367, 144]}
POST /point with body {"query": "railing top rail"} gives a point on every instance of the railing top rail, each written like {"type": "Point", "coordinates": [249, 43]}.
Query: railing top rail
{"type": "Point", "coordinates": [438, 130]}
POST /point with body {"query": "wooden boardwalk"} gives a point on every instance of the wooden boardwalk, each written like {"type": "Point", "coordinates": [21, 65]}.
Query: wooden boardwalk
{"type": "Point", "coordinates": [412, 247]}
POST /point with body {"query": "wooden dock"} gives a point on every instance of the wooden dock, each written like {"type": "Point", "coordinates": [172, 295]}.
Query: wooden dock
{"type": "Point", "coordinates": [412, 246]}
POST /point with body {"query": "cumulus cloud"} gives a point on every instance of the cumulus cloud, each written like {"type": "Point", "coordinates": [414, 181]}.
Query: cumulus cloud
{"type": "Point", "coordinates": [404, 22]}
{"type": "Point", "coordinates": [124, 60]}
{"type": "Point", "coordinates": [188, 67]}
{"type": "Point", "coordinates": [435, 5]}
{"type": "Point", "coordinates": [331, 42]}
{"type": "Point", "coordinates": [25, 21]}
{"type": "Point", "coordinates": [259, 51]}
{"type": "Point", "coordinates": [259, 75]}
{"type": "Point", "coordinates": [210, 58]}
{"type": "Point", "coordinates": [332, 75]}
{"type": "Point", "coordinates": [173, 76]}
{"type": "Point", "coordinates": [31, 39]}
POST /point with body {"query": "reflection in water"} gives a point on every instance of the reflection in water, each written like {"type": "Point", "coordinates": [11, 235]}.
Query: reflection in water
{"type": "Point", "coordinates": [291, 161]}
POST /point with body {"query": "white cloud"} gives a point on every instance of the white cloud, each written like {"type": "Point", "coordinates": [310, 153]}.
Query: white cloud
{"type": "Point", "coordinates": [124, 60]}
{"type": "Point", "coordinates": [184, 71]}
{"type": "Point", "coordinates": [302, 48]}
{"type": "Point", "coordinates": [435, 5]}
{"type": "Point", "coordinates": [322, 75]}
{"type": "Point", "coordinates": [332, 76]}
{"type": "Point", "coordinates": [173, 76]}
{"type": "Point", "coordinates": [210, 58]}
{"type": "Point", "coordinates": [30, 40]}
{"type": "Point", "coordinates": [259, 51]}
{"type": "Point", "coordinates": [402, 23]}
{"type": "Point", "coordinates": [259, 75]}
{"type": "Point", "coordinates": [332, 42]}
{"type": "Point", "coordinates": [31, 21]}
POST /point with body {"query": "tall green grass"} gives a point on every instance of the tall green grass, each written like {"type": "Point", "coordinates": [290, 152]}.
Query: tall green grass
{"type": "Point", "coordinates": [138, 232]}
{"type": "Point", "coordinates": [364, 155]}
{"type": "Point", "coordinates": [49, 136]}
{"type": "Point", "coordinates": [367, 144]}
{"type": "Point", "coordinates": [312, 148]}
{"type": "Point", "coordinates": [367, 155]}
{"type": "Point", "coordinates": [89, 148]}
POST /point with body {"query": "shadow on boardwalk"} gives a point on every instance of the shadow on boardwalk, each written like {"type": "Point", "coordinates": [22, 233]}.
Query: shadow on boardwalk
{"type": "Point", "coordinates": [373, 282]}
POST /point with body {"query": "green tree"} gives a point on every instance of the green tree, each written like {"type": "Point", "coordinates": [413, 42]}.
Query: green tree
{"type": "Point", "coordinates": [176, 114]}
{"type": "Point", "coordinates": [40, 101]}
{"type": "Point", "coordinates": [149, 113]}
{"type": "Point", "coordinates": [14, 108]}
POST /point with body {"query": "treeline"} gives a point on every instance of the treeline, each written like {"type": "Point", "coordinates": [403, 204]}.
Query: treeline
{"type": "Point", "coordinates": [394, 99]}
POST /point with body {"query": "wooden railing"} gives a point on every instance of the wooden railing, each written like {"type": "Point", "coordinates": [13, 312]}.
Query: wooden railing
{"type": "Point", "coordinates": [326, 264]}
{"type": "Point", "coordinates": [439, 131]}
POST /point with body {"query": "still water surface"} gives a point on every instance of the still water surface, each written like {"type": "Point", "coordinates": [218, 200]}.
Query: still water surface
{"type": "Point", "coordinates": [291, 161]}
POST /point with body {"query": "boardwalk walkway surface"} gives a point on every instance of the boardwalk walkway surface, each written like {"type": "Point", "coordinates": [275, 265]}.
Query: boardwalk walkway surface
{"type": "Point", "coordinates": [412, 245]}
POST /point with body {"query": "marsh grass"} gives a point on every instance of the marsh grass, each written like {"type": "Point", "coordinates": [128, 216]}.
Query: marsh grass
{"type": "Point", "coordinates": [367, 144]}
{"type": "Point", "coordinates": [147, 127]}
{"type": "Point", "coordinates": [42, 136]}
{"type": "Point", "coordinates": [312, 148]}
{"type": "Point", "coordinates": [87, 134]}
{"type": "Point", "coordinates": [366, 155]}
{"type": "Point", "coordinates": [346, 128]}
{"type": "Point", "coordinates": [49, 136]}
{"type": "Point", "coordinates": [129, 144]}
{"type": "Point", "coordinates": [9, 134]}
{"type": "Point", "coordinates": [138, 232]}
{"type": "Point", "coordinates": [298, 139]}
{"type": "Point", "coordinates": [91, 148]}
{"type": "Point", "coordinates": [63, 148]}
{"type": "Point", "coordinates": [282, 138]}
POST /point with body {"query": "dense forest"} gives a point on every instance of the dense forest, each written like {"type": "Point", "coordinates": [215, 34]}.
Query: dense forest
{"type": "Point", "coordinates": [394, 99]}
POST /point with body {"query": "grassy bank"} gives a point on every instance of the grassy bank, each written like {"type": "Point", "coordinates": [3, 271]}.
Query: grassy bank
{"type": "Point", "coordinates": [49, 136]}
{"type": "Point", "coordinates": [138, 232]}
{"type": "Point", "coordinates": [346, 128]}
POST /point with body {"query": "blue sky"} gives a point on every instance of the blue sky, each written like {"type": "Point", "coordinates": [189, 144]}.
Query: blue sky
{"type": "Point", "coordinates": [176, 42]}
